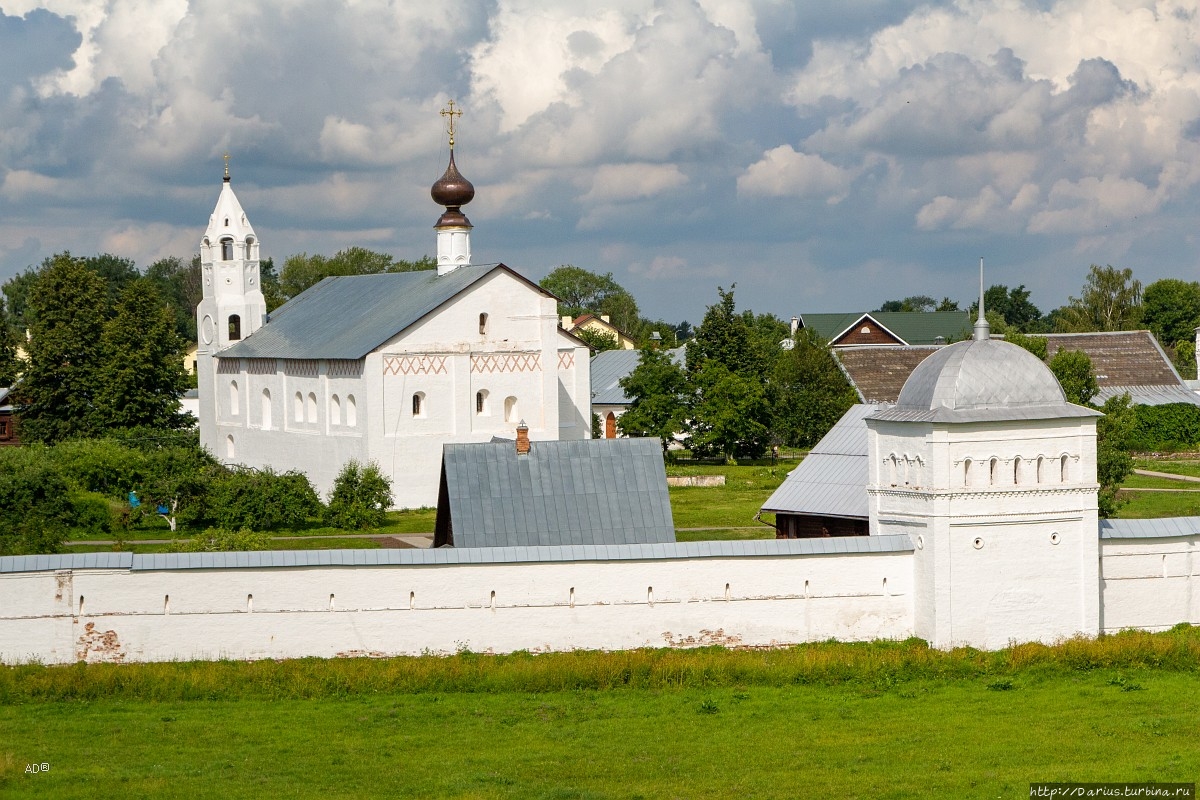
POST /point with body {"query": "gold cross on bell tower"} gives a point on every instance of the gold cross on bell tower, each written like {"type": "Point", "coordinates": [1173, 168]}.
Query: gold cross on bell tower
{"type": "Point", "coordinates": [450, 113]}
{"type": "Point", "coordinates": [226, 157]}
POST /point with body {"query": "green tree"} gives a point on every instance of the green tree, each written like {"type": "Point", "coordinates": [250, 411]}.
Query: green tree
{"type": "Point", "coordinates": [263, 499]}
{"type": "Point", "coordinates": [1111, 300]}
{"type": "Point", "coordinates": [36, 506]}
{"type": "Point", "coordinates": [1113, 462]}
{"type": "Point", "coordinates": [1012, 305]}
{"type": "Point", "coordinates": [10, 366]}
{"type": "Point", "coordinates": [57, 396]}
{"type": "Point", "coordinates": [1184, 357]}
{"type": "Point", "coordinates": [301, 271]}
{"type": "Point", "coordinates": [141, 374]}
{"type": "Point", "coordinates": [728, 414]}
{"type": "Point", "coordinates": [597, 340]}
{"type": "Point", "coordinates": [1034, 344]}
{"type": "Point", "coordinates": [1171, 310]}
{"type": "Point", "coordinates": [580, 291]}
{"type": "Point", "coordinates": [179, 283]}
{"type": "Point", "coordinates": [16, 293]}
{"type": "Point", "coordinates": [725, 337]}
{"type": "Point", "coordinates": [813, 393]}
{"type": "Point", "coordinates": [360, 497]}
{"type": "Point", "coordinates": [1073, 369]}
{"type": "Point", "coordinates": [658, 390]}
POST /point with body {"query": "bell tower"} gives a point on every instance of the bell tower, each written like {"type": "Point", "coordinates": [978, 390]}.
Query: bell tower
{"type": "Point", "coordinates": [233, 306]}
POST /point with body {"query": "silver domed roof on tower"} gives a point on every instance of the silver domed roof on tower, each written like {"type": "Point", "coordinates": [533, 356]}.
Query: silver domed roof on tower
{"type": "Point", "coordinates": [982, 379]}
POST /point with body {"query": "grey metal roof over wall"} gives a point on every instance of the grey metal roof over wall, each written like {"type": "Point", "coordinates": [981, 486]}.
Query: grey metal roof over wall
{"type": "Point", "coordinates": [1149, 528]}
{"type": "Point", "coordinates": [346, 317]}
{"type": "Point", "coordinates": [832, 480]}
{"type": "Point", "coordinates": [595, 491]}
{"type": "Point", "coordinates": [277, 559]}
{"type": "Point", "coordinates": [1150, 395]}
{"type": "Point", "coordinates": [610, 366]}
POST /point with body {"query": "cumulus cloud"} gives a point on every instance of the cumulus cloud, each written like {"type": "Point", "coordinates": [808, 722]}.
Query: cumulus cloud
{"type": "Point", "coordinates": [628, 135]}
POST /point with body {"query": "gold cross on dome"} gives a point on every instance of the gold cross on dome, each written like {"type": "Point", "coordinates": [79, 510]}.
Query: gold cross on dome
{"type": "Point", "coordinates": [226, 156]}
{"type": "Point", "coordinates": [450, 113]}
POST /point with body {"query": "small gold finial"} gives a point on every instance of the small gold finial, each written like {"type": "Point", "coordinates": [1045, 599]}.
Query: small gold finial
{"type": "Point", "coordinates": [226, 156]}
{"type": "Point", "coordinates": [450, 113]}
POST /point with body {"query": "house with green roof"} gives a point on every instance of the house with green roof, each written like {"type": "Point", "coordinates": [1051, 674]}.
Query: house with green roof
{"type": "Point", "coordinates": [898, 328]}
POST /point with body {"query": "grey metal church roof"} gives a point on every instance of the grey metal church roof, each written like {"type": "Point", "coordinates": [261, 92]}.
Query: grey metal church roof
{"type": "Point", "coordinates": [832, 480]}
{"type": "Point", "coordinates": [610, 366]}
{"type": "Point", "coordinates": [975, 381]}
{"type": "Point", "coordinates": [346, 317]}
{"type": "Point", "coordinates": [590, 492]}
{"type": "Point", "coordinates": [1149, 528]}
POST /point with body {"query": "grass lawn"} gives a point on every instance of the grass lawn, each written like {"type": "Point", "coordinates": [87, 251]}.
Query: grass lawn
{"type": "Point", "coordinates": [730, 506]}
{"type": "Point", "coordinates": [848, 721]}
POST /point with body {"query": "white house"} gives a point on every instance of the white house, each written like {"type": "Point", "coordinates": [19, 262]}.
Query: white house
{"type": "Point", "coordinates": [383, 367]}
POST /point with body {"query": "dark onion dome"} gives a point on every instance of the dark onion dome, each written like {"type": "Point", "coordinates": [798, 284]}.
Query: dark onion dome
{"type": "Point", "coordinates": [453, 191]}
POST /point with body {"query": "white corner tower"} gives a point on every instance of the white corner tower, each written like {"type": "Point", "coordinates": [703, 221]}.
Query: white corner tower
{"type": "Point", "coordinates": [992, 473]}
{"type": "Point", "coordinates": [233, 306]}
{"type": "Point", "coordinates": [453, 191]}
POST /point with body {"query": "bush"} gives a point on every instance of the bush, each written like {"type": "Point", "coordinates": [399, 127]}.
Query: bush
{"type": "Point", "coordinates": [100, 465]}
{"type": "Point", "coordinates": [1169, 427]}
{"type": "Point", "coordinates": [360, 497]}
{"type": "Point", "coordinates": [215, 540]}
{"type": "Point", "coordinates": [36, 507]}
{"type": "Point", "coordinates": [263, 500]}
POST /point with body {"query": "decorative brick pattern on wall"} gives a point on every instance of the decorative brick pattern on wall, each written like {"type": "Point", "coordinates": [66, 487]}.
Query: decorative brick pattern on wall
{"type": "Point", "coordinates": [300, 367]}
{"type": "Point", "coordinates": [506, 362]}
{"type": "Point", "coordinates": [229, 366]}
{"type": "Point", "coordinates": [566, 359]}
{"type": "Point", "coordinates": [260, 366]}
{"type": "Point", "coordinates": [414, 365]}
{"type": "Point", "coordinates": [344, 368]}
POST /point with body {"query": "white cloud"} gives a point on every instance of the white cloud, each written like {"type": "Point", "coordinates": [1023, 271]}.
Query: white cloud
{"type": "Point", "coordinates": [613, 183]}
{"type": "Point", "coordinates": [783, 171]}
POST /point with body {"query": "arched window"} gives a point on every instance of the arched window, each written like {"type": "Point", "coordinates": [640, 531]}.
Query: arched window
{"type": "Point", "coordinates": [908, 469]}
{"type": "Point", "coordinates": [266, 409]}
{"type": "Point", "coordinates": [235, 327]}
{"type": "Point", "coordinates": [335, 410]}
{"type": "Point", "coordinates": [230, 451]}
{"type": "Point", "coordinates": [249, 246]}
{"type": "Point", "coordinates": [993, 471]}
{"type": "Point", "coordinates": [233, 398]}
{"type": "Point", "coordinates": [351, 411]}
{"type": "Point", "coordinates": [312, 407]}
{"type": "Point", "coordinates": [1017, 470]}
{"type": "Point", "coordinates": [1062, 470]}
{"type": "Point", "coordinates": [418, 405]}
{"type": "Point", "coordinates": [510, 409]}
{"type": "Point", "coordinates": [893, 468]}
{"type": "Point", "coordinates": [967, 472]}
{"type": "Point", "coordinates": [481, 402]}
{"type": "Point", "coordinates": [298, 407]}
{"type": "Point", "coordinates": [1040, 475]}
{"type": "Point", "coordinates": [610, 426]}
{"type": "Point", "coordinates": [483, 323]}
{"type": "Point", "coordinates": [227, 248]}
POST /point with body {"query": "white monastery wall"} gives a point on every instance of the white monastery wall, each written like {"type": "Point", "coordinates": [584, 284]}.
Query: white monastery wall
{"type": "Point", "coordinates": [279, 612]}
{"type": "Point", "coordinates": [1153, 584]}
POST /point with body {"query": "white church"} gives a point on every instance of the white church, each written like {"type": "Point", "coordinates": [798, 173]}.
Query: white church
{"type": "Point", "coordinates": [384, 368]}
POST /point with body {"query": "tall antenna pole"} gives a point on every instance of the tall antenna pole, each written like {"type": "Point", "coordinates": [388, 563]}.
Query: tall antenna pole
{"type": "Point", "coordinates": [983, 331]}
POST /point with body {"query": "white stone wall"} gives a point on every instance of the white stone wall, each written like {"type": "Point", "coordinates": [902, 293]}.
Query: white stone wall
{"type": "Point", "coordinates": [1152, 584]}
{"type": "Point", "coordinates": [106, 615]}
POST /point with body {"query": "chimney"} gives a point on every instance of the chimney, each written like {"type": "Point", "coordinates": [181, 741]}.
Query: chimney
{"type": "Point", "coordinates": [567, 322]}
{"type": "Point", "coordinates": [522, 439]}
{"type": "Point", "coordinates": [604, 318]}
{"type": "Point", "coordinates": [795, 325]}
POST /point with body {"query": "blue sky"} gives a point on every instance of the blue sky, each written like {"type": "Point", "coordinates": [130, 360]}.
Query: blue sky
{"type": "Point", "coordinates": [826, 157]}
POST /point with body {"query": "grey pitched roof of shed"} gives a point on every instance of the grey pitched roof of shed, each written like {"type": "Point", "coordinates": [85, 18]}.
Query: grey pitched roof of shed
{"type": "Point", "coordinates": [832, 480]}
{"type": "Point", "coordinates": [590, 492]}
{"type": "Point", "coordinates": [610, 366]}
{"type": "Point", "coordinates": [346, 317]}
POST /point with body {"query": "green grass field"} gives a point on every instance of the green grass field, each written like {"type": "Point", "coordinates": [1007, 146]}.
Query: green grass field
{"type": "Point", "coordinates": [828, 720]}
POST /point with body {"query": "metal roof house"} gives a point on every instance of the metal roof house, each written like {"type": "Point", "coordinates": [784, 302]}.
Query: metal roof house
{"type": "Point", "coordinates": [894, 328]}
{"type": "Point", "coordinates": [826, 495]}
{"type": "Point", "coordinates": [539, 494]}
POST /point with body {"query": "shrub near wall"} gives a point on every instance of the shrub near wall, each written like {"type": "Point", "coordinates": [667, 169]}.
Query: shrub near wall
{"type": "Point", "coordinates": [1171, 427]}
